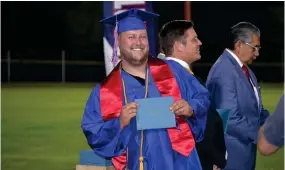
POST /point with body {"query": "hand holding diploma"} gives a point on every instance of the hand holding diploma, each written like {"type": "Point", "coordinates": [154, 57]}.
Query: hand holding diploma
{"type": "Point", "coordinates": [128, 111]}
{"type": "Point", "coordinates": [181, 108]}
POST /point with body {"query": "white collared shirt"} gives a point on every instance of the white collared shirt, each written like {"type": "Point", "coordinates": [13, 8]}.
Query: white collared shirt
{"type": "Point", "coordinates": [240, 64]}
{"type": "Point", "coordinates": [181, 62]}
{"type": "Point", "coordinates": [161, 56]}
{"type": "Point", "coordinates": [235, 57]}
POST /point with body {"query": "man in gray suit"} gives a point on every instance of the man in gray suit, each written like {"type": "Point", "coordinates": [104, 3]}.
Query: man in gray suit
{"type": "Point", "coordinates": [234, 86]}
{"type": "Point", "coordinates": [271, 134]}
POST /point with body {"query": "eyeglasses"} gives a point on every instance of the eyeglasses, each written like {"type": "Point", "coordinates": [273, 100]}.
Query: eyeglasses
{"type": "Point", "coordinates": [256, 49]}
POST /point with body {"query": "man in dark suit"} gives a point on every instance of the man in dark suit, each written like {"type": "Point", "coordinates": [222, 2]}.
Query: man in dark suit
{"type": "Point", "coordinates": [180, 43]}
{"type": "Point", "coordinates": [233, 86]}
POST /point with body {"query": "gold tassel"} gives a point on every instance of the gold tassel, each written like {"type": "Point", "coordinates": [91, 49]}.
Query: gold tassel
{"type": "Point", "coordinates": [141, 163]}
{"type": "Point", "coordinates": [189, 70]}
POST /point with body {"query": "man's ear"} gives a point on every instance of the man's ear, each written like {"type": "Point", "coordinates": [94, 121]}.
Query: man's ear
{"type": "Point", "coordinates": [238, 45]}
{"type": "Point", "coordinates": [178, 46]}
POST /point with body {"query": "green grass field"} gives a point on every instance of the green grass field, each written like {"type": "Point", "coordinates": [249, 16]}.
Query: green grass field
{"type": "Point", "coordinates": [41, 126]}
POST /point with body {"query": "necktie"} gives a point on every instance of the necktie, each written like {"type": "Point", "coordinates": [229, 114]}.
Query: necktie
{"type": "Point", "coordinates": [245, 70]}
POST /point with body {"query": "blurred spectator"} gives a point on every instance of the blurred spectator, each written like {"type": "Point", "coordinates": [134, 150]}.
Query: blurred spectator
{"type": "Point", "coordinates": [271, 134]}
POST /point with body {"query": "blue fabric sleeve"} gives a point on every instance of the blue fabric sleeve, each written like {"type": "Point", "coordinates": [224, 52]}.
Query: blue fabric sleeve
{"type": "Point", "coordinates": [196, 95]}
{"type": "Point", "coordinates": [105, 138]}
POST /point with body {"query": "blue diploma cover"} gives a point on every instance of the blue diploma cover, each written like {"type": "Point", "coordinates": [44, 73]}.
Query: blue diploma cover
{"type": "Point", "coordinates": [155, 113]}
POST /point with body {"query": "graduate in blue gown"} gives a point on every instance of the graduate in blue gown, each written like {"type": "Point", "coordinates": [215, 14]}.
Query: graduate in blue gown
{"type": "Point", "coordinates": [110, 136]}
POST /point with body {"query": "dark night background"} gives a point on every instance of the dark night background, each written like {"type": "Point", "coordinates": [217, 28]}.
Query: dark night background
{"type": "Point", "coordinates": [41, 30]}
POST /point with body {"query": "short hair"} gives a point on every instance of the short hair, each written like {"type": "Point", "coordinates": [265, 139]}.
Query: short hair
{"type": "Point", "coordinates": [173, 31]}
{"type": "Point", "coordinates": [242, 31]}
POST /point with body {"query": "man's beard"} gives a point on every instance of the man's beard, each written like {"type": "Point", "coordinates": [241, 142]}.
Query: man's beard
{"type": "Point", "coordinates": [133, 60]}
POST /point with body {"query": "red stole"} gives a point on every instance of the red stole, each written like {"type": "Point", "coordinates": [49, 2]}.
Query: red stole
{"type": "Point", "coordinates": [181, 139]}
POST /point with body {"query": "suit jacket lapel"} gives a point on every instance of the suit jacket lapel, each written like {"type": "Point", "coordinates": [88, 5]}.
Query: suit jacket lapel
{"type": "Point", "coordinates": [240, 72]}
{"type": "Point", "coordinates": [254, 81]}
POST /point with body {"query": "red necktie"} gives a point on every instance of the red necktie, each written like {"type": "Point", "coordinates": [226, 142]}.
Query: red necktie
{"type": "Point", "coordinates": [245, 70]}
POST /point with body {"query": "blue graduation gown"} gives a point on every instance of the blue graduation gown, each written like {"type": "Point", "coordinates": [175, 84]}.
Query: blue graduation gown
{"type": "Point", "coordinates": [106, 139]}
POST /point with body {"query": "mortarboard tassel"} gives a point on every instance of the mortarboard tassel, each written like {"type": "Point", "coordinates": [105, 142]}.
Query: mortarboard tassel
{"type": "Point", "coordinates": [115, 46]}
{"type": "Point", "coordinates": [141, 163]}
{"type": "Point", "coordinates": [141, 147]}
{"type": "Point", "coordinates": [190, 71]}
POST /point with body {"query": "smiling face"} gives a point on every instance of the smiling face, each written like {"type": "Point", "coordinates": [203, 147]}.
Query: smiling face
{"type": "Point", "coordinates": [188, 48]}
{"type": "Point", "coordinates": [134, 46]}
{"type": "Point", "coordinates": [192, 46]}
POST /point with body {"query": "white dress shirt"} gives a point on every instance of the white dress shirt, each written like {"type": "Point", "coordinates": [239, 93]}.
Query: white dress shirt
{"type": "Point", "coordinates": [181, 62]}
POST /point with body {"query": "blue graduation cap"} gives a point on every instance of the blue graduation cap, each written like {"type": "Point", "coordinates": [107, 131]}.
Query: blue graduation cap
{"type": "Point", "coordinates": [132, 19]}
